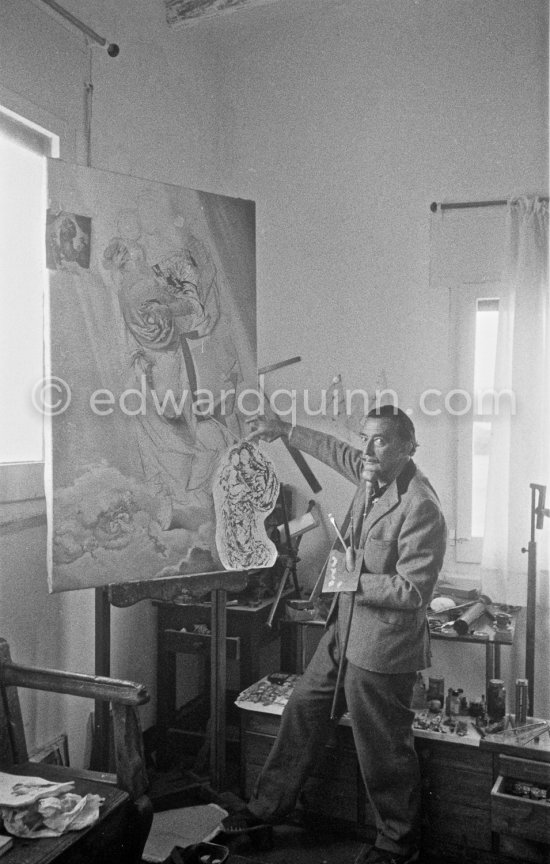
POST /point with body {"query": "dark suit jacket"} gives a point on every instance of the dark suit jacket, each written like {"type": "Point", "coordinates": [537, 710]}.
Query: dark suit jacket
{"type": "Point", "coordinates": [402, 543]}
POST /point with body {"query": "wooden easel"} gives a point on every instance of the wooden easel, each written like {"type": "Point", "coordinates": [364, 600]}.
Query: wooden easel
{"type": "Point", "coordinates": [217, 583]}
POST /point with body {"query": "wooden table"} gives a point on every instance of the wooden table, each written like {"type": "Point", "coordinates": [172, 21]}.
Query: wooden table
{"type": "Point", "coordinates": [297, 651]}
{"type": "Point", "coordinates": [465, 816]}
{"type": "Point", "coordinates": [484, 633]}
{"type": "Point", "coordinates": [101, 843]}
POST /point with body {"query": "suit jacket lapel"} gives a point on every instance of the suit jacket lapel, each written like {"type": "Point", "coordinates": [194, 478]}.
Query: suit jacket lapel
{"type": "Point", "coordinates": [389, 500]}
{"type": "Point", "coordinates": [381, 506]}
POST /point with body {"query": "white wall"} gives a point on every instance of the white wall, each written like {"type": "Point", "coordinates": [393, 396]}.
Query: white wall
{"type": "Point", "coordinates": [343, 120]}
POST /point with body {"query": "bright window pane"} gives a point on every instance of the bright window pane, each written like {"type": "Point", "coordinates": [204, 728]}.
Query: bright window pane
{"type": "Point", "coordinates": [486, 332]}
{"type": "Point", "coordinates": [481, 441]}
{"type": "Point", "coordinates": [485, 345]}
{"type": "Point", "coordinates": [22, 282]}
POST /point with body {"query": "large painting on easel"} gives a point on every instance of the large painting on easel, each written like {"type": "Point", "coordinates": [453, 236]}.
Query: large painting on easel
{"type": "Point", "coordinates": [152, 329]}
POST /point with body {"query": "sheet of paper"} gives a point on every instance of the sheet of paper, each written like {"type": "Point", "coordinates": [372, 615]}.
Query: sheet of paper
{"type": "Point", "coordinates": [21, 791]}
{"type": "Point", "coordinates": [182, 827]}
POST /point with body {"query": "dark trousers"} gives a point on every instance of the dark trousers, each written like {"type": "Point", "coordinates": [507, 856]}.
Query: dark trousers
{"type": "Point", "coordinates": [381, 720]}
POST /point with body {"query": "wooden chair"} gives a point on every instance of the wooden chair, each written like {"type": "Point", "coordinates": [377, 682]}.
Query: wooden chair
{"type": "Point", "coordinates": [126, 814]}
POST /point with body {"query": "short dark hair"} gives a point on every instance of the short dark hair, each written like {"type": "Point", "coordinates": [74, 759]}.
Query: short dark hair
{"type": "Point", "coordinates": [403, 423]}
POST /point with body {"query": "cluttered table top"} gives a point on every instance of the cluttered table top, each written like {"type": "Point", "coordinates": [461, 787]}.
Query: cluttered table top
{"type": "Point", "coordinates": [270, 694]}
{"type": "Point", "coordinates": [470, 616]}
{"type": "Point", "coordinates": [462, 615]}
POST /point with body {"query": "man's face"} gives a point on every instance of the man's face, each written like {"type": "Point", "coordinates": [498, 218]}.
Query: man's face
{"type": "Point", "coordinates": [384, 453]}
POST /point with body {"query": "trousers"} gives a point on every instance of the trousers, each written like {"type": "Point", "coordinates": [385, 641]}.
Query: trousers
{"type": "Point", "coordinates": [381, 722]}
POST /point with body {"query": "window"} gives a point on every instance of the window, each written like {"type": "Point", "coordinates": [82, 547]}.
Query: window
{"type": "Point", "coordinates": [23, 150]}
{"type": "Point", "coordinates": [485, 348]}
{"type": "Point", "coordinates": [476, 313]}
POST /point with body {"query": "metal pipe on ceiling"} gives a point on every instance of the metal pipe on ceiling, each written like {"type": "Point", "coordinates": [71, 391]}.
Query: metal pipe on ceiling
{"type": "Point", "coordinates": [113, 50]}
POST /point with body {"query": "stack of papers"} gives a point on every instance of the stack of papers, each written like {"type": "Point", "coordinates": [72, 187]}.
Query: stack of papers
{"type": "Point", "coordinates": [266, 696]}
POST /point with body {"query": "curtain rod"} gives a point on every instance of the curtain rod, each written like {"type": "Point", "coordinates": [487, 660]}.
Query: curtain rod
{"type": "Point", "coordinates": [462, 205]}
{"type": "Point", "coordinates": [112, 49]}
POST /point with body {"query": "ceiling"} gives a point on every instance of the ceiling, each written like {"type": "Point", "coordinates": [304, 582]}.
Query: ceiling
{"type": "Point", "coordinates": [180, 12]}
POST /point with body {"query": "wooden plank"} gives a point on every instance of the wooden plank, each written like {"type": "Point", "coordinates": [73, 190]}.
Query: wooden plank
{"type": "Point", "coordinates": [304, 468]}
{"type": "Point", "coordinates": [197, 643]}
{"type": "Point", "coordinates": [129, 754]}
{"type": "Point", "coordinates": [194, 585]}
{"type": "Point", "coordinates": [99, 758]}
{"type": "Point", "coordinates": [528, 751]}
{"type": "Point", "coordinates": [12, 733]}
{"type": "Point", "coordinates": [448, 823]}
{"type": "Point", "coordinates": [74, 684]}
{"type": "Point", "coordinates": [517, 816]}
{"type": "Point", "coordinates": [180, 12]}
{"type": "Point", "coordinates": [446, 757]}
{"type": "Point", "coordinates": [218, 683]}
{"type": "Point", "coordinates": [525, 769]}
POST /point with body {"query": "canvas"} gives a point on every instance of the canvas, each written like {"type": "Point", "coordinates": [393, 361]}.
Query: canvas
{"type": "Point", "coordinates": [152, 349]}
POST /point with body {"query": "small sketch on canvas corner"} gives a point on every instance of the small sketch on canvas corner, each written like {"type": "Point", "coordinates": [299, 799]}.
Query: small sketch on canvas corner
{"type": "Point", "coordinates": [68, 241]}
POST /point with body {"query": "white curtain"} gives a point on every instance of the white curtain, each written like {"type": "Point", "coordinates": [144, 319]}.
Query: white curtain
{"type": "Point", "coordinates": [520, 443]}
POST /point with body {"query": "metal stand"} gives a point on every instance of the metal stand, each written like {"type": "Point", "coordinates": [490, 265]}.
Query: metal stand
{"type": "Point", "coordinates": [538, 512]}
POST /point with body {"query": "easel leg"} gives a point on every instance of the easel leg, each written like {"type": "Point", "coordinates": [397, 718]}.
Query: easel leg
{"type": "Point", "coordinates": [290, 549]}
{"type": "Point", "coordinates": [218, 677]}
{"type": "Point", "coordinates": [99, 760]}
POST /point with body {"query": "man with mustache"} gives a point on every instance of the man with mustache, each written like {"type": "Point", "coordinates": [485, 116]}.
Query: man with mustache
{"type": "Point", "coordinates": [376, 636]}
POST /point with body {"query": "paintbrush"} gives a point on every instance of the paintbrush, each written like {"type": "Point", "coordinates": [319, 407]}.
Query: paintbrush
{"type": "Point", "coordinates": [349, 550]}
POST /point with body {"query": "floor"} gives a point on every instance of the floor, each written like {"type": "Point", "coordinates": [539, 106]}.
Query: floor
{"type": "Point", "coordinates": [294, 845]}
{"type": "Point", "coordinates": [283, 844]}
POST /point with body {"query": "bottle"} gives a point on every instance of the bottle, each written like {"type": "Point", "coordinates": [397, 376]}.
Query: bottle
{"type": "Point", "coordinates": [455, 703]}
{"type": "Point", "coordinates": [436, 690]}
{"type": "Point", "coordinates": [419, 693]}
{"type": "Point", "coordinates": [521, 701]}
{"type": "Point", "coordinates": [452, 702]}
{"type": "Point", "coordinates": [483, 711]}
{"type": "Point", "coordinates": [496, 700]}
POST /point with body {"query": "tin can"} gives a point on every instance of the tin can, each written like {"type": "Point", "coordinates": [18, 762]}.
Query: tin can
{"type": "Point", "coordinates": [521, 701]}
{"type": "Point", "coordinates": [496, 699]}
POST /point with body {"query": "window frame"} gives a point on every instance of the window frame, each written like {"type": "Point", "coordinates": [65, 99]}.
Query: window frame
{"type": "Point", "coordinates": [464, 297]}
{"type": "Point", "coordinates": [22, 483]}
